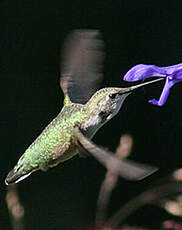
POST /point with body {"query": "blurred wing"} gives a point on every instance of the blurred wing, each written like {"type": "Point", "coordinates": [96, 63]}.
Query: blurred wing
{"type": "Point", "coordinates": [82, 60]}
{"type": "Point", "coordinates": [124, 168]}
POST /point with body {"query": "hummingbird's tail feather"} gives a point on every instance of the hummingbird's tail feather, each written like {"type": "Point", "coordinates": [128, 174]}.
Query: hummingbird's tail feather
{"type": "Point", "coordinates": [15, 176]}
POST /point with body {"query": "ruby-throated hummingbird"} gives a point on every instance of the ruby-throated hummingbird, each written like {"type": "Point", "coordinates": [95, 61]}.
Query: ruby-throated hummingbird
{"type": "Point", "coordinates": [83, 113]}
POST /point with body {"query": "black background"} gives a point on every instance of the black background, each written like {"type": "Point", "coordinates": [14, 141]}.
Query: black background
{"type": "Point", "coordinates": [31, 35]}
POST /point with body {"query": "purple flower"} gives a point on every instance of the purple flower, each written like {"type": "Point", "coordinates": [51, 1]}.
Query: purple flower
{"type": "Point", "coordinates": [172, 73]}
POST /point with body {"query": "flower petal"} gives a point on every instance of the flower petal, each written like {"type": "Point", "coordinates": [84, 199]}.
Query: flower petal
{"type": "Point", "coordinates": [165, 93]}
{"type": "Point", "coordinates": [154, 102]}
{"type": "Point", "coordinates": [142, 71]}
{"type": "Point", "coordinates": [172, 73]}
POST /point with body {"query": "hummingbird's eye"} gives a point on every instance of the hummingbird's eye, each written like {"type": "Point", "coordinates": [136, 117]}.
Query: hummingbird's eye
{"type": "Point", "coordinates": [113, 96]}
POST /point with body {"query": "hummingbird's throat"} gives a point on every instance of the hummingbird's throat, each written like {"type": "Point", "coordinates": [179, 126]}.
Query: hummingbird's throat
{"type": "Point", "coordinates": [100, 117]}
{"type": "Point", "coordinates": [93, 124]}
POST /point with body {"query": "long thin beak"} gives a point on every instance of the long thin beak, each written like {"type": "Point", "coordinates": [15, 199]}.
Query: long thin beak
{"type": "Point", "coordinates": [132, 88]}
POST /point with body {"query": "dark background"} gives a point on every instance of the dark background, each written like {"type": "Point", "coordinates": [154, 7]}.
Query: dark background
{"type": "Point", "coordinates": [31, 35]}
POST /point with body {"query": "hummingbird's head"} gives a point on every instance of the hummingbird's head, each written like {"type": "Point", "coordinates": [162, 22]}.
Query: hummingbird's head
{"type": "Point", "coordinates": [108, 101]}
{"type": "Point", "coordinates": [101, 107]}
{"type": "Point", "coordinates": [104, 105]}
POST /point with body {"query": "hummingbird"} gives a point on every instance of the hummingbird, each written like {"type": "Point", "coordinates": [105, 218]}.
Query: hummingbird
{"type": "Point", "coordinates": [85, 110]}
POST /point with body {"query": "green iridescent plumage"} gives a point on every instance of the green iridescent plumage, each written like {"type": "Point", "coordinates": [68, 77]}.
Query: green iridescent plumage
{"type": "Point", "coordinates": [82, 115]}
